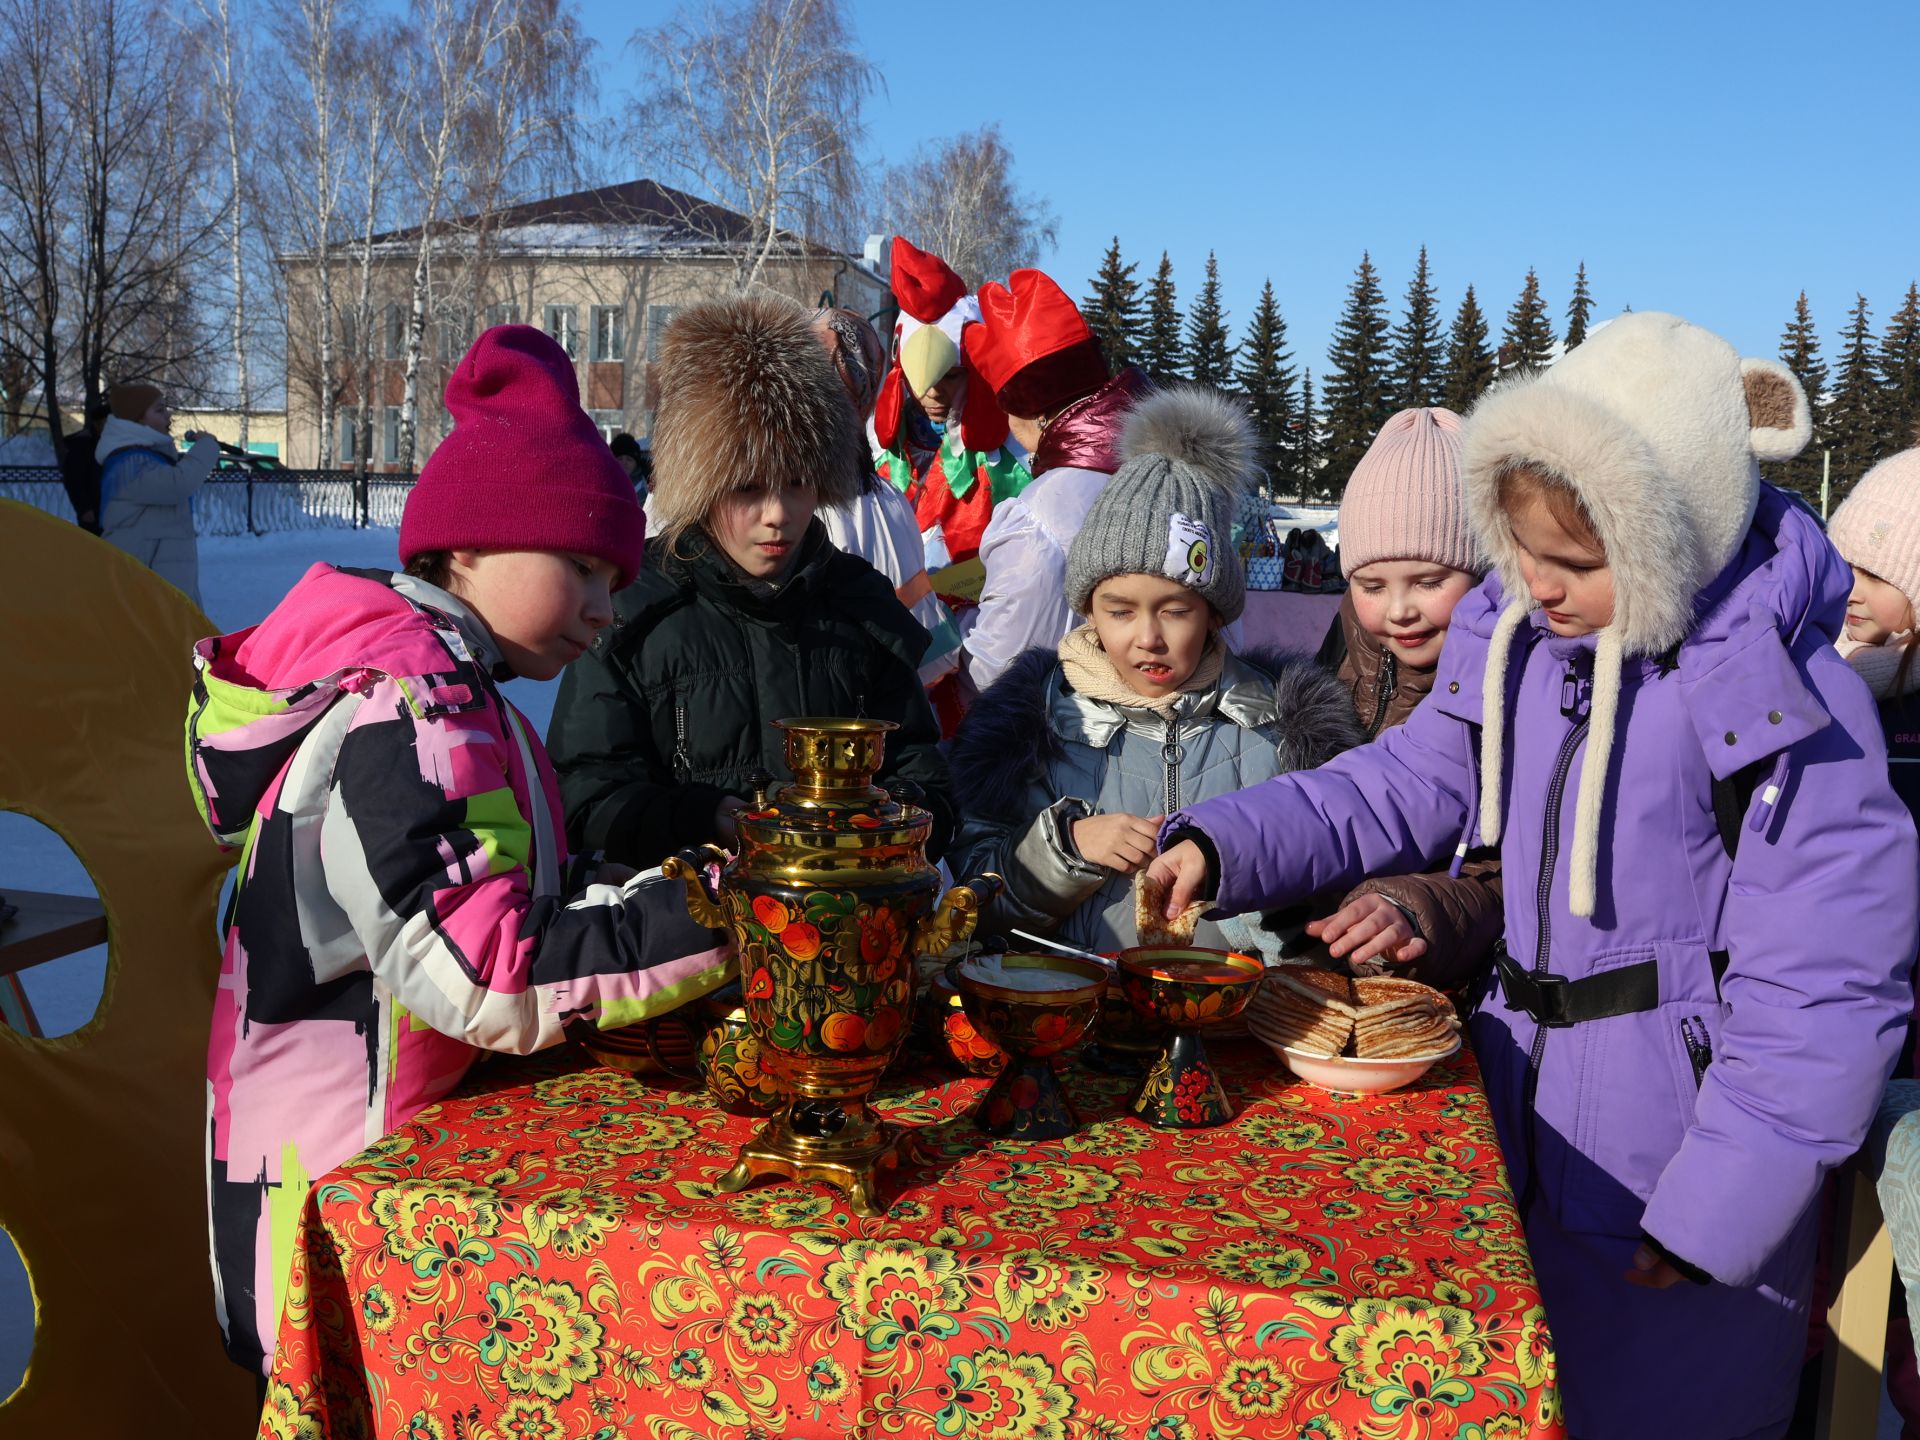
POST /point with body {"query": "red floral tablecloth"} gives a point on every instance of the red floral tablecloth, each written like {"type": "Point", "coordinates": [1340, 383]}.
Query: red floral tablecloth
{"type": "Point", "coordinates": [546, 1258]}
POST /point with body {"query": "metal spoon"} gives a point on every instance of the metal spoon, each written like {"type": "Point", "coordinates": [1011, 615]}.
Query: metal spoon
{"type": "Point", "coordinates": [1065, 949]}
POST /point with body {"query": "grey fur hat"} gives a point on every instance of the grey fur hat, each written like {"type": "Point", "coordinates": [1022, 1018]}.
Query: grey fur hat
{"type": "Point", "coordinates": [1188, 455]}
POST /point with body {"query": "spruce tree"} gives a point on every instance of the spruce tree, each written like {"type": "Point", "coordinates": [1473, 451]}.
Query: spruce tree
{"type": "Point", "coordinates": [1900, 377]}
{"type": "Point", "coordinates": [1357, 400]}
{"type": "Point", "coordinates": [1419, 354]}
{"type": "Point", "coordinates": [1209, 356]}
{"type": "Point", "coordinates": [1113, 309]}
{"type": "Point", "coordinates": [1265, 377]}
{"type": "Point", "coordinates": [1527, 341]}
{"type": "Point", "coordinates": [1853, 414]}
{"type": "Point", "coordinates": [1161, 354]}
{"type": "Point", "coordinates": [1308, 453]}
{"type": "Point", "coordinates": [1800, 353]}
{"type": "Point", "coordinates": [1580, 309]}
{"type": "Point", "coordinates": [1470, 364]}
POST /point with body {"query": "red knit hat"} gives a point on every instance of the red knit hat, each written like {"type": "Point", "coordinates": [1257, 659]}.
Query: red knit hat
{"type": "Point", "coordinates": [524, 468]}
{"type": "Point", "coordinates": [1033, 346]}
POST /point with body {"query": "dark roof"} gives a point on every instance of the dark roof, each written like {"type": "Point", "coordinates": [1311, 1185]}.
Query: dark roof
{"type": "Point", "coordinates": [636, 202]}
{"type": "Point", "coordinates": [678, 219]}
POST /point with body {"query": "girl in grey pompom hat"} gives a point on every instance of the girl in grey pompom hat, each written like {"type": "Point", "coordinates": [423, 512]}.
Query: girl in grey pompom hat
{"type": "Point", "coordinates": [1069, 760]}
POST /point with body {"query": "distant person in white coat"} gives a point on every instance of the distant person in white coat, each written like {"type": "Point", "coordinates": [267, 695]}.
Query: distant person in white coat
{"type": "Point", "coordinates": [1048, 373]}
{"type": "Point", "coordinates": [147, 486]}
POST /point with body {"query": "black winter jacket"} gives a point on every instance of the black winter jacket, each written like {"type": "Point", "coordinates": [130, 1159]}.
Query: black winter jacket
{"type": "Point", "coordinates": [674, 705]}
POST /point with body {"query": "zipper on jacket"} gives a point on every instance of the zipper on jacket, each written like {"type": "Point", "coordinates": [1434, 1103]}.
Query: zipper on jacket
{"type": "Point", "coordinates": [1383, 692]}
{"type": "Point", "coordinates": [1699, 1048]}
{"type": "Point", "coordinates": [682, 762]}
{"type": "Point", "coordinates": [1170, 756]}
{"type": "Point", "coordinates": [1543, 911]}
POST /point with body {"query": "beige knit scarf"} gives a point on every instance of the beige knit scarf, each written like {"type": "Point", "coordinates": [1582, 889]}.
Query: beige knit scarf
{"type": "Point", "coordinates": [1879, 666]}
{"type": "Point", "coordinates": [1091, 672]}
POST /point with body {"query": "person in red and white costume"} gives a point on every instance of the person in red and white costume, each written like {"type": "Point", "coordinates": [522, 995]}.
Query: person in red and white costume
{"type": "Point", "coordinates": [941, 436]}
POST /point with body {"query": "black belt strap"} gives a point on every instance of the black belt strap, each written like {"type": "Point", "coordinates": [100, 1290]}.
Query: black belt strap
{"type": "Point", "coordinates": [1555, 1001]}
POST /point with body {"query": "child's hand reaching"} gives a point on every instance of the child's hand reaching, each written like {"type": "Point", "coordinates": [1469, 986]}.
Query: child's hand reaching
{"type": "Point", "coordinates": [1183, 870]}
{"type": "Point", "coordinates": [1366, 929]}
{"type": "Point", "coordinates": [1122, 843]}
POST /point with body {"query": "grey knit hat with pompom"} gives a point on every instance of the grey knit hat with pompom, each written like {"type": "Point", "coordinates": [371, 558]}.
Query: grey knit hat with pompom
{"type": "Point", "coordinates": [1168, 510]}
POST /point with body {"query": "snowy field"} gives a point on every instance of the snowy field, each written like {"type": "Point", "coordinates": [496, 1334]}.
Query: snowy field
{"type": "Point", "coordinates": [241, 578]}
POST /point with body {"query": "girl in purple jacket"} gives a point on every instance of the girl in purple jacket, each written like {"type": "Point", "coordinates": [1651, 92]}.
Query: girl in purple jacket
{"type": "Point", "coordinates": [1687, 1027]}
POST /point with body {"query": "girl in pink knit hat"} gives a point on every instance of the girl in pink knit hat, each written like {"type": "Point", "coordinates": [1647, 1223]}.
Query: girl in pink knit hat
{"type": "Point", "coordinates": [401, 904]}
{"type": "Point", "coordinates": [1407, 552]}
{"type": "Point", "coordinates": [1877, 532]}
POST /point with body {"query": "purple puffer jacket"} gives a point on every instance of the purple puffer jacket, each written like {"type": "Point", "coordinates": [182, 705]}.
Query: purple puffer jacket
{"type": "Point", "coordinates": [1816, 916]}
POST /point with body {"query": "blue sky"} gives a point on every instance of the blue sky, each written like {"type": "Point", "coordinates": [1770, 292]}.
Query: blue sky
{"type": "Point", "coordinates": [1712, 160]}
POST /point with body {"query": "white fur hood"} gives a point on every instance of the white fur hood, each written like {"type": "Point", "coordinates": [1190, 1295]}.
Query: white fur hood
{"type": "Point", "coordinates": [1659, 427]}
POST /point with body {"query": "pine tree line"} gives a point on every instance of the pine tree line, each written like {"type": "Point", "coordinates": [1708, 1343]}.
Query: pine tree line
{"type": "Point", "coordinates": [1866, 406]}
{"type": "Point", "coordinates": [1376, 364]}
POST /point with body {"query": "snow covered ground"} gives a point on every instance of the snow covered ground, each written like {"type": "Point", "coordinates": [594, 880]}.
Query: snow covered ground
{"type": "Point", "coordinates": [241, 579]}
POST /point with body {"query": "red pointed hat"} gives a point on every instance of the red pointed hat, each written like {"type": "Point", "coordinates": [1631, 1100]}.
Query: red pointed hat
{"type": "Point", "coordinates": [1033, 346]}
{"type": "Point", "coordinates": [924, 284]}
{"type": "Point", "coordinates": [931, 292]}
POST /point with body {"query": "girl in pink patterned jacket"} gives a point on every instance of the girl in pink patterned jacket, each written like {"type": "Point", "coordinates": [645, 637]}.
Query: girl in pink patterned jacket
{"type": "Point", "coordinates": [399, 906]}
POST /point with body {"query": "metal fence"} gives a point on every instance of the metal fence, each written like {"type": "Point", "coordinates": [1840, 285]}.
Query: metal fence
{"type": "Point", "coordinates": [237, 503]}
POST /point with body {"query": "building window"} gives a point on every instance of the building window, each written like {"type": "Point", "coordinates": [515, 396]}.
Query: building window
{"type": "Point", "coordinates": [455, 327]}
{"type": "Point", "coordinates": [561, 323]}
{"type": "Point", "coordinates": [610, 422]}
{"type": "Point", "coordinates": [658, 318]}
{"type": "Point", "coordinates": [609, 332]}
{"type": "Point", "coordinates": [390, 452]}
{"type": "Point", "coordinates": [396, 332]}
{"type": "Point", "coordinates": [349, 434]}
{"type": "Point", "coordinates": [346, 332]}
{"type": "Point", "coordinates": [502, 315]}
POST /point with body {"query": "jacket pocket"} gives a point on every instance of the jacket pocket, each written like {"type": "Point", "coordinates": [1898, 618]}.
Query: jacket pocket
{"type": "Point", "coordinates": [1625, 1085]}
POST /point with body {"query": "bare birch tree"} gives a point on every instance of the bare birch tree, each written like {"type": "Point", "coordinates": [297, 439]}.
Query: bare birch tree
{"type": "Point", "coordinates": [309, 180]}
{"type": "Point", "coordinates": [377, 111]}
{"type": "Point", "coordinates": [223, 42]}
{"type": "Point", "coordinates": [35, 148]}
{"type": "Point", "coordinates": [140, 195]}
{"type": "Point", "coordinates": [493, 109]}
{"type": "Point", "coordinates": [757, 107]}
{"type": "Point", "coordinates": [957, 198]}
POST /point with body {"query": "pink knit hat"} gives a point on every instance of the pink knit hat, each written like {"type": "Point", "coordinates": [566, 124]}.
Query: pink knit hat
{"type": "Point", "coordinates": [1405, 501]}
{"type": "Point", "coordinates": [524, 468]}
{"type": "Point", "coordinates": [1877, 527]}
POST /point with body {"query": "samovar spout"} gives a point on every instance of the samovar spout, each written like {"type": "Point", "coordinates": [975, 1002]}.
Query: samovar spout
{"type": "Point", "coordinates": [690, 868]}
{"type": "Point", "coordinates": [959, 911]}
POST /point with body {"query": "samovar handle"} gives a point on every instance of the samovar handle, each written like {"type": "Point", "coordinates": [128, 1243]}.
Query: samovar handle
{"type": "Point", "coordinates": [689, 867]}
{"type": "Point", "coordinates": [959, 909]}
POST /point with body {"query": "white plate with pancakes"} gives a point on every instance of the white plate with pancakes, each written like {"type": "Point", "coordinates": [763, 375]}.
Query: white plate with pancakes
{"type": "Point", "coordinates": [1359, 1037]}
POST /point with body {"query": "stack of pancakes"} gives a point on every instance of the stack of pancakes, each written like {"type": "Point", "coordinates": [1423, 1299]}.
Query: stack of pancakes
{"type": "Point", "coordinates": [1321, 1012]}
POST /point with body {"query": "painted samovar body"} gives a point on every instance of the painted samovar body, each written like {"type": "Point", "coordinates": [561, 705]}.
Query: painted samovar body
{"type": "Point", "coordinates": [829, 899]}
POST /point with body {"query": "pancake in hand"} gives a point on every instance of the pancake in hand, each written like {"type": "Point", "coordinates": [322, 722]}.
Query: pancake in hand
{"type": "Point", "coordinates": [1150, 921]}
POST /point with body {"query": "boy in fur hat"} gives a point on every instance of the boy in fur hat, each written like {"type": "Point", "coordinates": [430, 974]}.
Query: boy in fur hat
{"type": "Point", "coordinates": [1693, 1022]}
{"type": "Point", "coordinates": [744, 611]}
{"type": "Point", "coordinates": [1070, 760]}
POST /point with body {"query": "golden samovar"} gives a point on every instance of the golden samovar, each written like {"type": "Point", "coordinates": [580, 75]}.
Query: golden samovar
{"type": "Point", "coordinates": [829, 898]}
